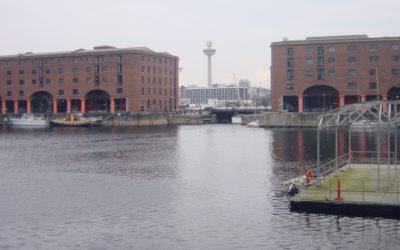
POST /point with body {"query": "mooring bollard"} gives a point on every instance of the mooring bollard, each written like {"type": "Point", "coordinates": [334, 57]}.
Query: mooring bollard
{"type": "Point", "coordinates": [338, 197]}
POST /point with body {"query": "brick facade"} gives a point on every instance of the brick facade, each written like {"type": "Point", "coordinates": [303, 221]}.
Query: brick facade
{"type": "Point", "coordinates": [104, 79]}
{"type": "Point", "coordinates": [320, 73]}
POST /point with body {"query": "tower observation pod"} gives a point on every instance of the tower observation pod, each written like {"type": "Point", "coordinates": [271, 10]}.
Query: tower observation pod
{"type": "Point", "coordinates": [209, 51]}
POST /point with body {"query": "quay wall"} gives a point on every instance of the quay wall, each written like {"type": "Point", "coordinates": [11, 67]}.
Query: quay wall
{"type": "Point", "coordinates": [154, 119]}
{"type": "Point", "coordinates": [283, 119]}
{"type": "Point", "coordinates": [138, 119]}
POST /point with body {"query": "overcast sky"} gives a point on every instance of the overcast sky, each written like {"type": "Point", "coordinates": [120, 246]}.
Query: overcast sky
{"type": "Point", "coordinates": [241, 30]}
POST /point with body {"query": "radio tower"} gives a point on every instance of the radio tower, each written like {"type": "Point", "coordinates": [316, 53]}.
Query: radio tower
{"type": "Point", "coordinates": [209, 51]}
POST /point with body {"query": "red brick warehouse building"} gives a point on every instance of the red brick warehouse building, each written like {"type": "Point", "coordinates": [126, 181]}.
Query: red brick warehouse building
{"type": "Point", "coordinates": [322, 73]}
{"type": "Point", "coordinates": [105, 79]}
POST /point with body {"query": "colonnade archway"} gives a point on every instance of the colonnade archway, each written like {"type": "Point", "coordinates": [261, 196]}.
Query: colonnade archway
{"type": "Point", "coordinates": [320, 98]}
{"type": "Point", "coordinates": [43, 102]}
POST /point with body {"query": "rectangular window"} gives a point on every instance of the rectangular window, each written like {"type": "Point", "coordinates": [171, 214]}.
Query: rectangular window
{"type": "Point", "coordinates": [9, 93]}
{"type": "Point", "coordinates": [21, 93]}
{"type": "Point", "coordinates": [74, 91]}
{"type": "Point", "coordinates": [351, 59]}
{"type": "Point", "coordinates": [119, 68]}
{"type": "Point", "coordinates": [75, 60]}
{"type": "Point", "coordinates": [351, 48]}
{"type": "Point", "coordinates": [290, 62]}
{"type": "Point", "coordinates": [48, 81]}
{"type": "Point", "coordinates": [373, 59]}
{"type": "Point", "coordinates": [21, 72]}
{"type": "Point", "coordinates": [310, 50]}
{"type": "Point", "coordinates": [290, 75]}
{"type": "Point", "coordinates": [9, 64]}
{"type": "Point", "coordinates": [104, 58]}
{"type": "Point", "coordinates": [320, 61]}
{"type": "Point", "coordinates": [89, 69]}
{"type": "Point", "coordinates": [290, 86]}
{"type": "Point", "coordinates": [88, 80]}
{"type": "Point", "coordinates": [331, 60]}
{"type": "Point", "coordinates": [142, 79]}
{"type": "Point", "coordinates": [96, 60]}
{"type": "Point", "coordinates": [372, 85]}
{"type": "Point", "coordinates": [148, 91]}
{"type": "Point", "coordinates": [320, 51]}
{"type": "Point", "coordinates": [289, 52]}
{"type": "Point", "coordinates": [395, 58]}
{"type": "Point", "coordinates": [310, 61]}
{"type": "Point", "coordinates": [321, 74]}
{"type": "Point", "coordinates": [352, 86]}
{"type": "Point", "coordinates": [97, 81]}
{"type": "Point", "coordinates": [395, 72]}
{"type": "Point", "coordinates": [395, 47]}
{"type": "Point", "coordinates": [119, 80]}
{"type": "Point", "coordinates": [373, 47]}
{"type": "Point", "coordinates": [119, 59]}
{"type": "Point", "coordinates": [33, 62]}
{"type": "Point", "coordinates": [331, 49]}
{"type": "Point", "coordinates": [33, 81]}
{"type": "Point", "coordinates": [352, 72]}
{"type": "Point", "coordinates": [119, 91]}
{"type": "Point", "coordinates": [309, 73]}
{"type": "Point", "coordinates": [33, 71]}
{"type": "Point", "coordinates": [21, 82]}
{"type": "Point", "coordinates": [21, 63]}
{"type": "Point", "coordinates": [60, 92]}
{"type": "Point", "coordinates": [47, 61]}
{"type": "Point", "coordinates": [60, 80]}
{"type": "Point", "coordinates": [89, 60]}
{"type": "Point", "coordinates": [60, 60]}
{"type": "Point", "coordinates": [104, 79]}
{"type": "Point", "coordinates": [9, 72]}
{"type": "Point", "coordinates": [60, 70]}
{"type": "Point", "coordinates": [47, 71]}
{"type": "Point", "coordinates": [142, 68]}
{"type": "Point", "coordinates": [142, 91]}
{"type": "Point", "coordinates": [331, 73]}
{"type": "Point", "coordinates": [75, 80]}
{"type": "Point", "coordinates": [75, 70]}
{"type": "Point", "coordinates": [372, 72]}
{"type": "Point", "coordinates": [104, 68]}
{"type": "Point", "coordinates": [9, 82]}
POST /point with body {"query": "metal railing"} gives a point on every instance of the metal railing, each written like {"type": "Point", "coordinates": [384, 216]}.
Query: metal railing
{"type": "Point", "coordinates": [360, 190]}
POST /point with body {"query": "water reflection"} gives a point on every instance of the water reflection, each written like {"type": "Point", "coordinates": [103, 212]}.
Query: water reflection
{"type": "Point", "coordinates": [183, 187]}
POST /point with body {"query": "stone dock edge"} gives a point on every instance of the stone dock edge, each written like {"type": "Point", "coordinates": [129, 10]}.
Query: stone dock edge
{"type": "Point", "coordinates": [346, 208]}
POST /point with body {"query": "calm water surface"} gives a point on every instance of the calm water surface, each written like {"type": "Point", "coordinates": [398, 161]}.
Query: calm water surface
{"type": "Point", "coordinates": [184, 187]}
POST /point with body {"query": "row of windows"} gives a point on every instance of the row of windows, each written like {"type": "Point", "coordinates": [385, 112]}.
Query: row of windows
{"type": "Point", "coordinates": [350, 86]}
{"type": "Point", "coordinates": [74, 80]}
{"type": "Point", "coordinates": [159, 60]}
{"type": "Point", "coordinates": [155, 70]}
{"type": "Point", "coordinates": [350, 72]}
{"type": "Point", "coordinates": [142, 79]}
{"type": "Point", "coordinates": [155, 91]}
{"type": "Point", "coordinates": [371, 47]}
{"type": "Point", "coordinates": [331, 60]}
{"type": "Point", "coordinates": [60, 92]}
{"type": "Point", "coordinates": [61, 70]}
{"type": "Point", "coordinates": [97, 59]}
